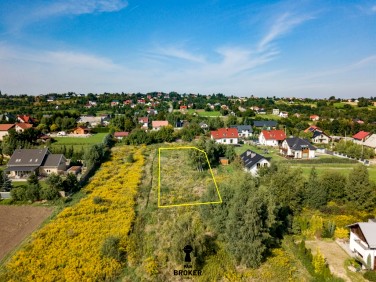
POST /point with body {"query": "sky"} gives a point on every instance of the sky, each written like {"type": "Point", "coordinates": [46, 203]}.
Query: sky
{"type": "Point", "coordinates": [313, 49]}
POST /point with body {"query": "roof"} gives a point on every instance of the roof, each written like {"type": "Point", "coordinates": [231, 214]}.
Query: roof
{"type": "Point", "coordinates": [313, 116]}
{"type": "Point", "coordinates": [89, 119]}
{"type": "Point", "coordinates": [121, 134]}
{"type": "Point", "coordinates": [274, 134]}
{"type": "Point", "coordinates": [251, 158]}
{"type": "Point", "coordinates": [318, 133]}
{"type": "Point", "coordinates": [74, 168]}
{"type": "Point", "coordinates": [143, 119]}
{"type": "Point", "coordinates": [225, 133]}
{"type": "Point", "coordinates": [371, 141]}
{"type": "Point", "coordinates": [265, 123]}
{"type": "Point", "coordinates": [369, 232]}
{"type": "Point", "coordinates": [26, 118]}
{"type": "Point", "coordinates": [21, 168]}
{"type": "Point", "coordinates": [159, 123]}
{"type": "Point", "coordinates": [242, 128]}
{"type": "Point", "coordinates": [27, 157]}
{"type": "Point", "coordinates": [53, 160]}
{"type": "Point", "coordinates": [361, 135]}
{"type": "Point", "coordinates": [6, 127]}
{"type": "Point", "coordinates": [24, 125]}
{"type": "Point", "coordinates": [296, 143]}
{"type": "Point", "coordinates": [312, 128]}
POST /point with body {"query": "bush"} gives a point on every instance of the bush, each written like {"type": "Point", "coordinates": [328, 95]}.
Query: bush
{"type": "Point", "coordinates": [370, 276]}
{"type": "Point", "coordinates": [49, 193]}
{"type": "Point", "coordinates": [32, 192]}
{"type": "Point", "coordinates": [97, 200]}
{"type": "Point", "coordinates": [18, 193]}
{"type": "Point", "coordinates": [111, 248]}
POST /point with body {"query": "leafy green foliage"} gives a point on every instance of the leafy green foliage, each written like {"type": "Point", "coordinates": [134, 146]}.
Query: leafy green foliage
{"type": "Point", "coordinates": [315, 193]}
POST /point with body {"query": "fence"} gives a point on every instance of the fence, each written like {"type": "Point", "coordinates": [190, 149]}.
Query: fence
{"type": "Point", "coordinates": [363, 161]}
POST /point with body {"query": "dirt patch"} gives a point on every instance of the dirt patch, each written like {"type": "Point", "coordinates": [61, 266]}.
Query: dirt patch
{"type": "Point", "coordinates": [17, 222]}
{"type": "Point", "coordinates": [334, 255]}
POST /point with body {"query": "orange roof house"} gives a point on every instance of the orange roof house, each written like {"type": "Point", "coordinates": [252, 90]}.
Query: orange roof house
{"type": "Point", "coordinates": [225, 135]}
{"type": "Point", "coordinates": [81, 130]}
{"type": "Point", "coordinates": [21, 127]}
{"type": "Point", "coordinates": [25, 119]}
{"type": "Point", "coordinates": [361, 136]}
{"type": "Point", "coordinates": [157, 124]}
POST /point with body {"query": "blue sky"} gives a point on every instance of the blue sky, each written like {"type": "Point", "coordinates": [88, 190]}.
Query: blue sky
{"type": "Point", "coordinates": [262, 48]}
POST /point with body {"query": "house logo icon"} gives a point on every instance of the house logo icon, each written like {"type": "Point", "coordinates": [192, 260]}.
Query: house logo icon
{"type": "Point", "coordinates": [187, 250]}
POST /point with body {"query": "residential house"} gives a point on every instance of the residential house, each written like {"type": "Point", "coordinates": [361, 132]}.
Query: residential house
{"type": "Point", "coordinates": [272, 137]}
{"type": "Point", "coordinates": [314, 117]}
{"type": "Point", "coordinates": [4, 130]}
{"type": "Point", "coordinates": [157, 124]}
{"type": "Point", "coordinates": [203, 125]}
{"type": "Point", "coordinates": [120, 135]}
{"type": "Point", "coordinates": [253, 162]}
{"type": "Point", "coordinates": [23, 162]}
{"type": "Point", "coordinates": [91, 121]}
{"type": "Point", "coordinates": [127, 102]}
{"type": "Point", "coordinates": [141, 101]}
{"type": "Point", "coordinates": [312, 128]}
{"type": "Point", "coordinates": [25, 119]}
{"type": "Point", "coordinates": [21, 127]}
{"type": "Point", "coordinates": [363, 242]}
{"type": "Point", "coordinates": [144, 121]}
{"type": "Point", "coordinates": [361, 136]}
{"type": "Point", "coordinates": [81, 130]}
{"type": "Point", "coordinates": [371, 142]}
{"type": "Point", "coordinates": [225, 136]}
{"type": "Point", "coordinates": [183, 108]}
{"type": "Point", "coordinates": [320, 137]}
{"type": "Point", "coordinates": [244, 131]}
{"type": "Point", "coordinates": [114, 103]}
{"type": "Point", "coordinates": [266, 124]}
{"type": "Point", "coordinates": [284, 114]}
{"type": "Point", "coordinates": [297, 148]}
{"type": "Point", "coordinates": [276, 112]}
{"type": "Point", "coordinates": [7, 117]}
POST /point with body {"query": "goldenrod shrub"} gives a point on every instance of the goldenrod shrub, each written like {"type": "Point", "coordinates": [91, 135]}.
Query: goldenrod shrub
{"type": "Point", "coordinates": [69, 247]}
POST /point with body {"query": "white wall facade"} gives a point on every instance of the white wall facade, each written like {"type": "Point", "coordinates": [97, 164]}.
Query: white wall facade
{"type": "Point", "coordinates": [3, 134]}
{"type": "Point", "coordinates": [265, 142]}
{"type": "Point", "coordinates": [361, 248]}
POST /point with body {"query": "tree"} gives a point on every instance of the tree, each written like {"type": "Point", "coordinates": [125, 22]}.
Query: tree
{"type": "Point", "coordinates": [230, 153]}
{"type": "Point", "coordinates": [54, 127]}
{"type": "Point", "coordinates": [70, 184]}
{"type": "Point", "coordinates": [7, 184]}
{"type": "Point", "coordinates": [315, 193]}
{"type": "Point", "coordinates": [54, 181]}
{"type": "Point", "coordinates": [334, 182]}
{"type": "Point", "coordinates": [231, 120]}
{"type": "Point", "coordinates": [33, 179]}
{"type": "Point", "coordinates": [359, 191]}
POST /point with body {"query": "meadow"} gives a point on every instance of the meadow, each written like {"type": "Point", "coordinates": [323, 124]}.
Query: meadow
{"type": "Point", "coordinates": [94, 139]}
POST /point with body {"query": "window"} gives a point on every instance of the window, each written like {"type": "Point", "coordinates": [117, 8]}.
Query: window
{"type": "Point", "coordinates": [36, 160]}
{"type": "Point", "coordinates": [265, 164]}
{"type": "Point", "coordinates": [231, 141]}
{"type": "Point", "coordinates": [258, 165]}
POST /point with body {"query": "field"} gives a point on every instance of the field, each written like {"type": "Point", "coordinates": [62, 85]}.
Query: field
{"type": "Point", "coordinates": [209, 114]}
{"type": "Point", "coordinates": [17, 222]}
{"type": "Point", "coordinates": [185, 185]}
{"type": "Point", "coordinates": [88, 240]}
{"type": "Point", "coordinates": [269, 116]}
{"type": "Point", "coordinates": [94, 139]}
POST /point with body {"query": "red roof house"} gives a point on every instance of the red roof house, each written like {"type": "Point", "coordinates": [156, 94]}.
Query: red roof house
{"type": "Point", "coordinates": [361, 136]}
{"type": "Point", "coordinates": [25, 119]}
{"type": "Point", "coordinates": [157, 124]}
{"type": "Point", "coordinates": [272, 137]}
{"type": "Point", "coordinates": [4, 128]}
{"type": "Point", "coordinates": [21, 127]}
{"type": "Point", "coordinates": [314, 117]}
{"type": "Point", "coordinates": [225, 135]}
{"type": "Point", "coordinates": [120, 135]}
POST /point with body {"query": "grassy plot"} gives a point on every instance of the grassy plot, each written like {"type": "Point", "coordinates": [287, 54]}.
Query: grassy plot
{"type": "Point", "coordinates": [181, 181]}
{"type": "Point", "coordinates": [209, 114]}
{"type": "Point", "coordinates": [94, 139]}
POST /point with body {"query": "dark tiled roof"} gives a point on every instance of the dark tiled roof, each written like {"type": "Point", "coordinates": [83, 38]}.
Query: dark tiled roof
{"type": "Point", "coordinates": [242, 127]}
{"type": "Point", "coordinates": [318, 133]}
{"type": "Point", "coordinates": [251, 158]}
{"type": "Point", "coordinates": [296, 143]}
{"type": "Point", "coordinates": [22, 168]}
{"type": "Point", "coordinates": [27, 157]}
{"type": "Point", "coordinates": [53, 160]}
{"type": "Point", "coordinates": [265, 123]}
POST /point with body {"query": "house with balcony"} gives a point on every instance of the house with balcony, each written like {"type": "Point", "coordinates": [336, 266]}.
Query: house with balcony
{"type": "Point", "coordinates": [363, 242]}
{"type": "Point", "coordinates": [244, 131]}
{"type": "Point", "coordinates": [297, 148]}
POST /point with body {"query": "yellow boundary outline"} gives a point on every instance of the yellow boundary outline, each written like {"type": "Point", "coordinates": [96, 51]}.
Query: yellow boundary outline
{"type": "Point", "coordinates": [186, 204]}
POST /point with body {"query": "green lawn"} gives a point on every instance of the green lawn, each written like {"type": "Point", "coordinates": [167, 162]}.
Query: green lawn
{"type": "Point", "coordinates": [94, 139]}
{"type": "Point", "coordinates": [272, 152]}
{"type": "Point", "coordinates": [20, 183]}
{"type": "Point", "coordinates": [269, 116]}
{"type": "Point", "coordinates": [209, 114]}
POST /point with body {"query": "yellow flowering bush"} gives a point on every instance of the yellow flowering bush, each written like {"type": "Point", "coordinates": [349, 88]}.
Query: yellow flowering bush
{"type": "Point", "coordinates": [69, 247]}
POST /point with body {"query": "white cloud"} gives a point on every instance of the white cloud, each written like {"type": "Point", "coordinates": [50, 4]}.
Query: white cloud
{"type": "Point", "coordinates": [282, 25]}
{"type": "Point", "coordinates": [373, 8]}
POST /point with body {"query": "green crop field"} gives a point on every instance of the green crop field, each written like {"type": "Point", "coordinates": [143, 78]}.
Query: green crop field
{"type": "Point", "coordinates": [94, 139]}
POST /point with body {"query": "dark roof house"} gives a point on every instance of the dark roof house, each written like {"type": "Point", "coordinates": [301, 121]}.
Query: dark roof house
{"type": "Point", "coordinates": [265, 123]}
{"type": "Point", "coordinates": [296, 143]}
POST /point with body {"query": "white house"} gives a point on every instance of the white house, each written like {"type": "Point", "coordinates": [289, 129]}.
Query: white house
{"type": "Point", "coordinates": [276, 112]}
{"type": "Point", "coordinates": [91, 121]}
{"type": "Point", "coordinates": [297, 148]}
{"type": "Point", "coordinates": [363, 242]}
{"type": "Point", "coordinates": [253, 161]}
{"type": "Point", "coordinates": [314, 117]}
{"type": "Point", "coordinates": [284, 114]}
{"type": "Point", "coordinates": [203, 125]}
{"type": "Point", "coordinates": [371, 142]}
{"type": "Point", "coordinates": [144, 121]}
{"type": "Point", "coordinates": [244, 131]}
{"type": "Point", "coordinates": [4, 128]}
{"type": "Point", "coordinates": [320, 137]}
{"type": "Point", "coordinates": [271, 137]}
{"type": "Point", "coordinates": [225, 135]}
